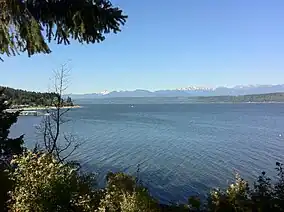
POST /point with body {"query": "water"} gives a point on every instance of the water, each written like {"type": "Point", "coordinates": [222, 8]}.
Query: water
{"type": "Point", "coordinates": [182, 149]}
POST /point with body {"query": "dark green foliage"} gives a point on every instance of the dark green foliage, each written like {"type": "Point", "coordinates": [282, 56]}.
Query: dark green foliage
{"type": "Point", "coordinates": [279, 187]}
{"type": "Point", "coordinates": [271, 97]}
{"type": "Point", "coordinates": [264, 196]}
{"type": "Point", "coordinates": [5, 186]}
{"type": "Point", "coordinates": [18, 97]}
{"type": "Point", "coordinates": [122, 191]}
{"type": "Point", "coordinates": [121, 181]}
{"type": "Point", "coordinates": [27, 25]}
{"type": "Point", "coordinates": [69, 101]}
{"type": "Point", "coordinates": [8, 147]}
{"type": "Point", "coordinates": [173, 208]}
{"type": "Point", "coordinates": [194, 202]}
{"type": "Point", "coordinates": [43, 184]}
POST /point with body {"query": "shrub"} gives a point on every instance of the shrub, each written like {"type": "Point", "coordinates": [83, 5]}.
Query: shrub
{"type": "Point", "coordinates": [239, 197]}
{"type": "Point", "coordinates": [43, 184]}
{"type": "Point", "coordinates": [123, 194]}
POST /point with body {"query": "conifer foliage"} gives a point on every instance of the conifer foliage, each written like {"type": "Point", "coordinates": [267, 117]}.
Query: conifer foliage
{"type": "Point", "coordinates": [29, 25]}
{"type": "Point", "coordinates": [8, 146]}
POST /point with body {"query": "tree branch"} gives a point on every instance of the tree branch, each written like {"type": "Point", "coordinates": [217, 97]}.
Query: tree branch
{"type": "Point", "coordinates": [22, 23]}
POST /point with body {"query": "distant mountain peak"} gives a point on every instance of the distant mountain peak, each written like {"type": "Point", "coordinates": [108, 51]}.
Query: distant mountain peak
{"type": "Point", "coordinates": [105, 92]}
{"type": "Point", "coordinates": [195, 88]}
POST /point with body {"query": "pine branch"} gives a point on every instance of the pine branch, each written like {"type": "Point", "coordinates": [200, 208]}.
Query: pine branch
{"type": "Point", "coordinates": [29, 25]}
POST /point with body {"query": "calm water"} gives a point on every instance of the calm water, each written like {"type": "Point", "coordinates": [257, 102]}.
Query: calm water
{"type": "Point", "coordinates": [182, 149]}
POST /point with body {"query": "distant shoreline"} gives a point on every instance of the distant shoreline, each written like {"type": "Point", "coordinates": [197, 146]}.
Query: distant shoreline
{"type": "Point", "coordinates": [41, 108]}
{"type": "Point", "coordinates": [240, 102]}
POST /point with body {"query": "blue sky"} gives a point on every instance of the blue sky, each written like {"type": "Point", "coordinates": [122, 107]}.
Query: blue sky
{"type": "Point", "coordinates": [169, 44]}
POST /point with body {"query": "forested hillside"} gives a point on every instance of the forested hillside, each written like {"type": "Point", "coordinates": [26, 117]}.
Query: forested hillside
{"type": "Point", "coordinates": [30, 98]}
{"type": "Point", "coordinates": [271, 97]}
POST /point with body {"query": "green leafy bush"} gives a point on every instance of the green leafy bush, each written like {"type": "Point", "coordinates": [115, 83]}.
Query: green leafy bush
{"type": "Point", "coordinates": [239, 197]}
{"type": "Point", "coordinates": [40, 183]}
{"type": "Point", "coordinates": [43, 184]}
{"type": "Point", "coordinates": [123, 194]}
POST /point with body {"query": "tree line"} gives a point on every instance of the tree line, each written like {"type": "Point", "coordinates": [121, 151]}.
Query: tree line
{"type": "Point", "coordinates": [270, 97]}
{"type": "Point", "coordinates": [18, 97]}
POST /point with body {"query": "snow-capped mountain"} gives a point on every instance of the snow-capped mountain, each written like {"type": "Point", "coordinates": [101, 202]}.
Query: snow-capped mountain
{"type": "Point", "coordinates": [105, 92]}
{"type": "Point", "coordinates": [195, 88]}
{"type": "Point", "coordinates": [187, 91]}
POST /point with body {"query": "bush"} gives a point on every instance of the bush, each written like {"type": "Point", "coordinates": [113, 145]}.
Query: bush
{"type": "Point", "coordinates": [233, 199]}
{"type": "Point", "coordinates": [239, 197]}
{"type": "Point", "coordinates": [123, 194]}
{"type": "Point", "coordinates": [40, 183]}
{"type": "Point", "coordinates": [43, 184]}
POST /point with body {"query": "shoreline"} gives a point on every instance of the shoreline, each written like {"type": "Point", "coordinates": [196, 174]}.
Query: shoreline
{"type": "Point", "coordinates": [241, 102]}
{"type": "Point", "coordinates": [41, 108]}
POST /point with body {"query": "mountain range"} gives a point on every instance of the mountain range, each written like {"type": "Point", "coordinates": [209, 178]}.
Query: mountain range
{"type": "Point", "coordinates": [186, 92]}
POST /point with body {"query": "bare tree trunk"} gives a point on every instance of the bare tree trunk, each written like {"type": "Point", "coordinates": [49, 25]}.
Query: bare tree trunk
{"type": "Point", "coordinates": [61, 147]}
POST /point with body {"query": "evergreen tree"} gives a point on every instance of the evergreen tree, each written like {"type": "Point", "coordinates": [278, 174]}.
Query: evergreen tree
{"type": "Point", "coordinates": [8, 147]}
{"type": "Point", "coordinates": [28, 25]}
{"type": "Point", "coordinates": [69, 101]}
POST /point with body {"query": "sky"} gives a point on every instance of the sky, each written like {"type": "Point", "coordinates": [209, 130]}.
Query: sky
{"type": "Point", "coordinates": [167, 45]}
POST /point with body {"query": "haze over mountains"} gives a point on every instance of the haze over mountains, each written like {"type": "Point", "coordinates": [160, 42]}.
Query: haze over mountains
{"type": "Point", "coordinates": [188, 91]}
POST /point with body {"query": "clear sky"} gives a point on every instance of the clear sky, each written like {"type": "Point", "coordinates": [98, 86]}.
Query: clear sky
{"type": "Point", "coordinates": [169, 44]}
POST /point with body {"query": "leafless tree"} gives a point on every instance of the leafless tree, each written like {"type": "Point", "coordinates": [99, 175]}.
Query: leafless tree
{"type": "Point", "coordinates": [61, 144]}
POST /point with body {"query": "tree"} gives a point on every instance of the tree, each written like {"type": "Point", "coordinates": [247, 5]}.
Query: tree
{"type": "Point", "coordinates": [28, 25]}
{"type": "Point", "coordinates": [8, 146]}
{"type": "Point", "coordinates": [54, 143]}
{"type": "Point", "coordinates": [21, 97]}
{"type": "Point", "coordinates": [69, 101]}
